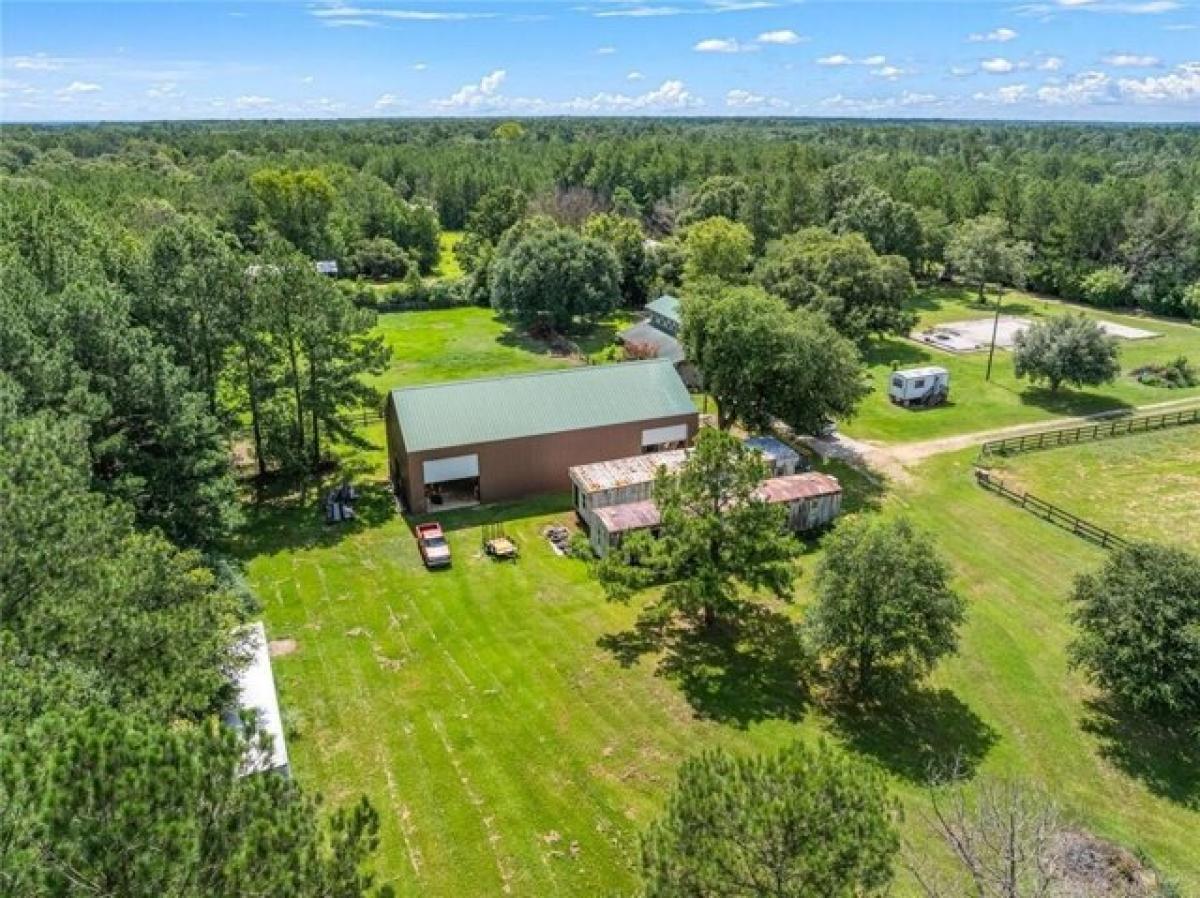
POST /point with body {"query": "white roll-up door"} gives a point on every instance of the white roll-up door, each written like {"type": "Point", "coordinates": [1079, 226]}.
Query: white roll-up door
{"type": "Point", "coordinates": [656, 436]}
{"type": "Point", "coordinates": [460, 467]}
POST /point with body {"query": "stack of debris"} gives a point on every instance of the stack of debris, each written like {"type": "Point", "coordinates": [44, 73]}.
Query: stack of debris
{"type": "Point", "coordinates": [339, 504]}
{"type": "Point", "coordinates": [560, 538]}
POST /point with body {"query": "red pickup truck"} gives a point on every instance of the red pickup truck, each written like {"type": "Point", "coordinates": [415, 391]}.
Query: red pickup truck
{"type": "Point", "coordinates": [435, 551]}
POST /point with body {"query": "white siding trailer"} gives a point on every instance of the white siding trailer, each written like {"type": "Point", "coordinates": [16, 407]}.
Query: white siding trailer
{"type": "Point", "coordinates": [919, 386]}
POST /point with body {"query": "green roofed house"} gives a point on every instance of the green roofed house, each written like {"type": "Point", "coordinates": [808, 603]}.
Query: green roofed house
{"type": "Point", "coordinates": [657, 336]}
{"type": "Point", "coordinates": [487, 440]}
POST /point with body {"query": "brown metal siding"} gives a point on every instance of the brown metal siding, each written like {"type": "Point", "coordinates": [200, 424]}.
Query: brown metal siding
{"type": "Point", "coordinates": [513, 469]}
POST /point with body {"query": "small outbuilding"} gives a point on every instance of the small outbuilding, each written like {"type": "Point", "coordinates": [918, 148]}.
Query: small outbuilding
{"type": "Point", "coordinates": [657, 336]}
{"type": "Point", "coordinates": [813, 501]}
{"type": "Point", "coordinates": [620, 481]}
{"type": "Point", "coordinates": [494, 439]}
{"type": "Point", "coordinates": [781, 458]}
{"type": "Point", "coordinates": [666, 315]}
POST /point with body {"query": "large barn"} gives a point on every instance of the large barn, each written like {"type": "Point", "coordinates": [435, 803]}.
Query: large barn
{"type": "Point", "coordinates": [458, 443]}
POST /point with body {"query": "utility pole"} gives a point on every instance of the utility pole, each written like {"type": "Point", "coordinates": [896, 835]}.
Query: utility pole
{"type": "Point", "coordinates": [995, 330]}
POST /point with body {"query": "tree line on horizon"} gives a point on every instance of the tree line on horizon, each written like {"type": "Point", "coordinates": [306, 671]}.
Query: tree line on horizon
{"type": "Point", "coordinates": [1109, 212]}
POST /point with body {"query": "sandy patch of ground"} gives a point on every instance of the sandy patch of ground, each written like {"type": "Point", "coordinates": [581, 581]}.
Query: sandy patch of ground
{"type": "Point", "coordinates": [278, 647]}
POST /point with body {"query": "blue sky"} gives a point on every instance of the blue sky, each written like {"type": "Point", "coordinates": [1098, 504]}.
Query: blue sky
{"type": "Point", "coordinates": [1113, 60]}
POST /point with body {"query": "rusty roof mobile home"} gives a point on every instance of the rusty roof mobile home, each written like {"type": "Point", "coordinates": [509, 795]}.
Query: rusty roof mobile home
{"type": "Point", "coordinates": [503, 438]}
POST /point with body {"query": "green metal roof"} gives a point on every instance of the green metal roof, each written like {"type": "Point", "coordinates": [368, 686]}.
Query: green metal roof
{"type": "Point", "coordinates": [456, 413]}
{"type": "Point", "coordinates": [667, 306]}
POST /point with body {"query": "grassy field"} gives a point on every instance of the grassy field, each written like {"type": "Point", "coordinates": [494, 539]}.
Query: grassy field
{"type": "Point", "coordinates": [516, 730]}
{"type": "Point", "coordinates": [1144, 487]}
{"type": "Point", "coordinates": [977, 404]}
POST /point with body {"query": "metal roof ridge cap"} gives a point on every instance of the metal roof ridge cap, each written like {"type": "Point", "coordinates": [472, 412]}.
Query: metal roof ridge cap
{"type": "Point", "coordinates": [567, 369]}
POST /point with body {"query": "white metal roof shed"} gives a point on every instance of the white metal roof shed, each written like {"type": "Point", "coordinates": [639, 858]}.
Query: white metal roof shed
{"type": "Point", "coordinates": [256, 693]}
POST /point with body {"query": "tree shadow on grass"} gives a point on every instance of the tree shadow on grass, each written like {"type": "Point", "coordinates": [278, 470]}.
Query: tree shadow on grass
{"type": "Point", "coordinates": [1072, 402]}
{"type": "Point", "coordinates": [898, 352]}
{"type": "Point", "coordinates": [737, 672]}
{"type": "Point", "coordinates": [497, 512]}
{"type": "Point", "coordinates": [1165, 757]}
{"type": "Point", "coordinates": [859, 492]}
{"type": "Point", "coordinates": [916, 733]}
{"type": "Point", "coordinates": [297, 520]}
{"type": "Point", "coordinates": [586, 339]}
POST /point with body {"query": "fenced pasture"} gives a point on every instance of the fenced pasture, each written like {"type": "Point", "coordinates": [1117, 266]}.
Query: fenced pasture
{"type": "Point", "coordinates": [1144, 487]}
{"type": "Point", "coordinates": [1089, 433]}
{"type": "Point", "coordinates": [1048, 511]}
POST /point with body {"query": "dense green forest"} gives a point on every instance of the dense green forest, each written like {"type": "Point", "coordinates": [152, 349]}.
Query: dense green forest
{"type": "Point", "coordinates": [1108, 210]}
{"type": "Point", "coordinates": [160, 314]}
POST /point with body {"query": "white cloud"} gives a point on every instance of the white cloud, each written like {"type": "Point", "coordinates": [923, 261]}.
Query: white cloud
{"type": "Point", "coordinates": [783, 36]}
{"type": "Point", "coordinates": [634, 76]}
{"type": "Point", "coordinates": [890, 72]}
{"type": "Point", "coordinates": [1142, 8]}
{"type": "Point", "coordinates": [606, 51]}
{"type": "Point", "coordinates": [167, 89]}
{"type": "Point", "coordinates": [39, 62]}
{"type": "Point", "coordinates": [337, 12]}
{"type": "Point", "coordinates": [473, 96]}
{"type": "Point", "coordinates": [738, 5]}
{"type": "Point", "coordinates": [623, 8]}
{"type": "Point", "coordinates": [722, 45]}
{"type": "Point", "coordinates": [672, 94]}
{"type": "Point", "coordinates": [348, 23]}
{"type": "Point", "coordinates": [253, 101]}
{"type": "Point", "coordinates": [911, 98]}
{"type": "Point", "coordinates": [1131, 60]}
{"type": "Point", "coordinates": [1182, 85]}
{"type": "Point", "coordinates": [640, 12]}
{"type": "Point", "coordinates": [387, 101]}
{"type": "Point", "coordinates": [1181, 26]}
{"type": "Point", "coordinates": [1152, 8]}
{"type": "Point", "coordinates": [996, 36]}
{"type": "Point", "coordinates": [419, 66]}
{"type": "Point", "coordinates": [1004, 96]}
{"type": "Point", "coordinates": [880, 104]}
{"type": "Point", "coordinates": [81, 87]}
{"type": "Point", "coordinates": [877, 59]}
{"type": "Point", "coordinates": [1051, 64]}
{"type": "Point", "coordinates": [997, 65]}
{"type": "Point", "coordinates": [307, 79]}
{"type": "Point", "coordinates": [744, 99]}
{"type": "Point", "coordinates": [1081, 90]}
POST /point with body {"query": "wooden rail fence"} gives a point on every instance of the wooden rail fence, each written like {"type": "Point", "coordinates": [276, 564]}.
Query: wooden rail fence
{"type": "Point", "coordinates": [1072, 436]}
{"type": "Point", "coordinates": [364, 417]}
{"type": "Point", "coordinates": [1048, 511]}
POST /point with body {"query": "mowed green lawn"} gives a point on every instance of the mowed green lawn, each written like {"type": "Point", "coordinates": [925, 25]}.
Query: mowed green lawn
{"type": "Point", "coordinates": [516, 730]}
{"type": "Point", "coordinates": [977, 404]}
{"type": "Point", "coordinates": [1143, 487]}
